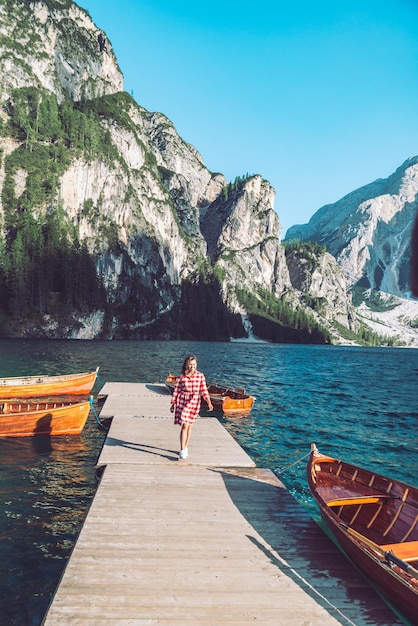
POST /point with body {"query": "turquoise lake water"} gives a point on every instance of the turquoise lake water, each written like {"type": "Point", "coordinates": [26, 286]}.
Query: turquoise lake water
{"type": "Point", "coordinates": [358, 404]}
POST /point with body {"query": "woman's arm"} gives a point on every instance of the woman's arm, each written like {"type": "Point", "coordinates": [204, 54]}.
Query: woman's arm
{"type": "Point", "coordinates": [205, 393]}
{"type": "Point", "coordinates": [175, 393]}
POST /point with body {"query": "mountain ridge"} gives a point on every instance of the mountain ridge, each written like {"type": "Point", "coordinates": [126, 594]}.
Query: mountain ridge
{"type": "Point", "coordinates": [369, 231]}
{"type": "Point", "coordinates": [112, 225]}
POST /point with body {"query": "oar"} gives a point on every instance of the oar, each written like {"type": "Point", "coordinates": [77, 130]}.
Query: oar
{"type": "Point", "coordinates": [388, 554]}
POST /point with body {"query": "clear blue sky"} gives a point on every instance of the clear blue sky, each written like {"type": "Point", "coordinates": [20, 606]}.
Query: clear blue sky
{"type": "Point", "coordinates": [319, 98]}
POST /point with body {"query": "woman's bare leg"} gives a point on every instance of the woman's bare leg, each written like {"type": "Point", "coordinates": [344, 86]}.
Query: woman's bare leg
{"type": "Point", "coordinates": [186, 431]}
{"type": "Point", "coordinates": [188, 435]}
{"type": "Point", "coordinates": [183, 436]}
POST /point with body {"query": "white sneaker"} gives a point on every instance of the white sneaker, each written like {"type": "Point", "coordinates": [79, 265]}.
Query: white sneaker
{"type": "Point", "coordinates": [185, 453]}
{"type": "Point", "coordinates": [181, 454]}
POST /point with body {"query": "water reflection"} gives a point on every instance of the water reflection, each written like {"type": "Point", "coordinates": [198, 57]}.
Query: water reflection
{"type": "Point", "coordinates": [41, 443]}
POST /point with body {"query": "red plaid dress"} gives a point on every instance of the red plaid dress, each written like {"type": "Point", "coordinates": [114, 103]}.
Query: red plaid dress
{"type": "Point", "coordinates": [187, 397]}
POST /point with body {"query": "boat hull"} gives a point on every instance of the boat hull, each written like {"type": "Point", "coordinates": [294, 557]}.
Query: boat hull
{"type": "Point", "coordinates": [228, 404]}
{"type": "Point", "coordinates": [48, 386]}
{"type": "Point", "coordinates": [375, 521]}
{"type": "Point", "coordinates": [25, 420]}
{"type": "Point", "coordinates": [229, 401]}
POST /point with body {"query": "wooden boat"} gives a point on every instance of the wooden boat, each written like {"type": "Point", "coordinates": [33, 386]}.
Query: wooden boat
{"type": "Point", "coordinates": [224, 399]}
{"type": "Point", "coordinates": [28, 418]}
{"type": "Point", "coordinates": [47, 386]}
{"type": "Point", "coordinates": [375, 521]}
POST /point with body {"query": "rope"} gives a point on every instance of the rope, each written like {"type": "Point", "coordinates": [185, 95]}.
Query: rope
{"type": "Point", "coordinates": [316, 591]}
{"type": "Point", "coordinates": [279, 470]}
{"type": "Point", "coordinates": [95, 414]}
{"type": "Point", "coordinates": [99, 380]}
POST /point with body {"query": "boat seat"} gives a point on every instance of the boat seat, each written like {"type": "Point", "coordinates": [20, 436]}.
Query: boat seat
{"type": "Point", "coordinates": [370, 499]}
{"type": "Point", "coordinates": [407, 551]}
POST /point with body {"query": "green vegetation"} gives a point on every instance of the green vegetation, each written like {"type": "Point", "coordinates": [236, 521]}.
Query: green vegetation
{"type": "Point", "coordinates": [51, 135]}
{"type": "Point", "coordinates": [365, 336]}
{"type": "Point", "coordinates": [207, 273]}
{"type": "Point", "coordinates": [232, 189]}
{"type": "Point", "coordinates": [315, 303]}
{"type": "Point", "coordinates": [304, 247]}
{"type": "Point", "coordinates": [58, 4]}
{"type": "Point", "coordinates": [309, 251]}
{"type": "Point", "coordinates": [44, 267]}
{"type": "Point", "coordinates": [24, 36]}
{"type": "Point", "coordinates": [374, 299]}
{"type": "Point", "coordinates": [412, 323]}
{"type": "Point", "coordinates": [283, 319]}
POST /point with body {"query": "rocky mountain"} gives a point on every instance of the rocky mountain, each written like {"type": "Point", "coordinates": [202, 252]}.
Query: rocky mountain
{"type": "Point", "coordinates": [55, 45]}
{"type": "Point", "coordinates": [369, 231]}
{"type": "Point", "coordinates": [369, 234]}
{"type": "Point", "coordinates": [111, 224]}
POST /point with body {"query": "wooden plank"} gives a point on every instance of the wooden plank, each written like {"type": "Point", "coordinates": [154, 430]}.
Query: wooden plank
{"type": "Point", "coordinates": [156, 441]}
{"type": "Point", "coordinates": [140, 399]}
{"type": "Point", "coordinates": [351, 501]}
{"type": "Point", "coordinates": [407, 551]}
{"type": "Point", "coordinates": [197, 552]}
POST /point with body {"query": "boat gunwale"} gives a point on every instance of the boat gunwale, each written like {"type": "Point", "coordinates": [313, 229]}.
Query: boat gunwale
{"type": "Point", "coordinates": [46, 408]}
{"type": "Point", "coordinates": [13, 381]}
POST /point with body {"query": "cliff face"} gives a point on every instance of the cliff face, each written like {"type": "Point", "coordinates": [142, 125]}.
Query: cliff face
{"type": "Point", "coordinates": [369, 231]}
{"type": "Point", "coordinates": [89, 176]}
{"type": "Point", "coordinates": [242, 233]}
{"type": "Point", "coordinates": [54, 45]}
{"type": "Point", "coordinates": [151, 196]}
{"type": "Point", "coordinates": [320, 281]}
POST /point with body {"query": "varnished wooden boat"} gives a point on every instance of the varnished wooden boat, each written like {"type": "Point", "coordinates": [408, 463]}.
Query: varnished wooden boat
{"type": "Point", "coordinates": [375, 521]}
{"type": "Point", "coordinates": [26, 418]}
{"type": "Point", "coordinates": [224, 399]}
{"type": "Point", "coordinates": [47, 386]}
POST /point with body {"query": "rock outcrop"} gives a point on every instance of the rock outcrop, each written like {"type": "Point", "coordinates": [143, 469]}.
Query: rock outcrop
{"type": "Point", "coordinates": [55, 45]}
{"type": "Point", "coordinates": [242, 232]}
{"type": "Point", "coordinates": [316, 276]}
{"type": "Point", "coordinates": [369, 231]}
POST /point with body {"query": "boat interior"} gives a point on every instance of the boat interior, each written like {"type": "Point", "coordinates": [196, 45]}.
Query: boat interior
{"type": "Point", "coordinates": [6, 408]}
{"type": "Point", "coordinates": [382, 510]}
{"type": "Point", "coordinates": [236, 394]}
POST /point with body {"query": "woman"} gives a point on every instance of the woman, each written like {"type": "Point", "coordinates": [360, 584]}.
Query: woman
{"type": "Point", "coordinates": [186, 398]}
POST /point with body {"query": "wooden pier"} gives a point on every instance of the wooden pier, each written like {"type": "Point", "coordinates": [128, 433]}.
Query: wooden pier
{"type": "Point", "coordinates": [208, 540]}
